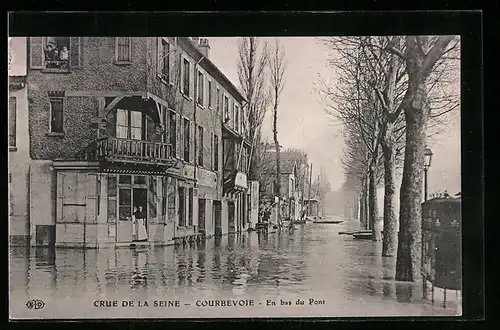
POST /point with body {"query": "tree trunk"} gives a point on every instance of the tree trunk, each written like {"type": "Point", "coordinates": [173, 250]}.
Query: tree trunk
{"type": "Point", "coordinates": [362, 211]}
{"type": "Point", "coordinates": [372, 204]}
{"type": "Point", "coordinates": [410, 214]}
{"type": "Point", "coordinates": [277, 147]}
{"type": "Point", "coordinates": [364, 205]}
{"type": "Point", "coordinates": [389, 243]}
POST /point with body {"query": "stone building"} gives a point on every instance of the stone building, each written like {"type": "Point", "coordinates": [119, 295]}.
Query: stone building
{"type": "Point", "coordinates": [120, 124]}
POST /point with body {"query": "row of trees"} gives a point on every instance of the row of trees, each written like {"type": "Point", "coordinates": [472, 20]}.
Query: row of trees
{"type": "Point", "coordinates": [390, 94]}
{"type": "Point", "coordinates": [261, 70]}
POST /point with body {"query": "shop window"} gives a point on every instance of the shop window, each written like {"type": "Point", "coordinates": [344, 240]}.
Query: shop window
{"type": "Point", "coordinates": [125, 204]}
{"type": "Point", "coordinates": [125, 179]}
{"type": "Point", "coordinates": [153, 195]}
{"type": "Point", "coordinates": [139, 179]}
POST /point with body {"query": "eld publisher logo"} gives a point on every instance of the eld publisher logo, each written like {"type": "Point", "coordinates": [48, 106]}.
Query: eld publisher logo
{"type": "Point", "coordinates": [35, 304]}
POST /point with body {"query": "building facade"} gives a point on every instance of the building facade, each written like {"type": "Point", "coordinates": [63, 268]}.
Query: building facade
{"type": "Point", "coordinates": [291, 185]}
{"type": "Point", "coordinates": [126, 140]}
{"type": "Point", "coordinates": [19, 153]}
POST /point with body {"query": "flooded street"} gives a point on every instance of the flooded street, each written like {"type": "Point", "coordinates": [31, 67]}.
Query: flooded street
{"type": "Point", "coordinates": [333, 274]}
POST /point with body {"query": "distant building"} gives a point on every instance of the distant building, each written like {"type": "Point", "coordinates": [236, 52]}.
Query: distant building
{"type": "Point", "coordinates": [292, 181]}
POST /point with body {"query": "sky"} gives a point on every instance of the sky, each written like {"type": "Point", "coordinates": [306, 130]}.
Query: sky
{"type": "Point", "coordinates": [303, 122]}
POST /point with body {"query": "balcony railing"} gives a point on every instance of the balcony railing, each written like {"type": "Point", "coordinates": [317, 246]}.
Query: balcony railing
{"type": "Point", "coordinates": [125, 150]}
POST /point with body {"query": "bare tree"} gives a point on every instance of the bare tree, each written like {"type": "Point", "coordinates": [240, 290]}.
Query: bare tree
{"type": "Point", "coordinates": [386, 74]}
{"type": "Point", "coordinates": [252, 64]}
{"type": "Point", "coordinates": [277, 70]}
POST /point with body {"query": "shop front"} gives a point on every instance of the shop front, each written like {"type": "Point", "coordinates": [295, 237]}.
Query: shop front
{"type": "Point", "coordinates": [114, 206]}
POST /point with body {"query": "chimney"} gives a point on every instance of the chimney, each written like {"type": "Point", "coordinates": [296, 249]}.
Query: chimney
{"type": "Point", "coordinates": [204, 47]}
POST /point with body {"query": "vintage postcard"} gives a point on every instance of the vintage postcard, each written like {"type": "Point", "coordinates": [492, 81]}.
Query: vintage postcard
{"type": "Point", "coordinates": [223, 177]}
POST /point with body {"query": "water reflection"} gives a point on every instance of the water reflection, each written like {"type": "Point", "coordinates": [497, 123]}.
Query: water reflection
{"type": "Point", "coordinates": [313, 260]}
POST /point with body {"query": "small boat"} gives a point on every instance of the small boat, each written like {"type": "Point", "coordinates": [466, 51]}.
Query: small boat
{"type": "Point", "coordinates": [362, 235]}
{"type": "Point", "coordinates": [328, 221]}
{"type": "Point", "coordinates": [320, 219]}
{"type": "Point", "coordinates": [355, 232]}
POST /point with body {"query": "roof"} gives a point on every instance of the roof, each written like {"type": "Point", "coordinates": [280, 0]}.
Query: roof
{"type": "Point", "coordinates": [287, 161]}
{"type": "Point", "coordinates": [208, 65]}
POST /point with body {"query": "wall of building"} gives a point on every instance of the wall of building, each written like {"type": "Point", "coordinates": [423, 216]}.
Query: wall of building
{"type": "Point", "coordinates": [97, 72]}
{"type": "Point", "coordinates": [19, 166]}
{"type": "Point", "coordinates": [42, 199]}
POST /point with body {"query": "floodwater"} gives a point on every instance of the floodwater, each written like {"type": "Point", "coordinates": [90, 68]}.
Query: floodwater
{"type": "Point", "coordinates": [332, 275]}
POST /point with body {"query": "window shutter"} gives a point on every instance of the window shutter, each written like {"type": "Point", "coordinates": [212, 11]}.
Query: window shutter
{"type": "Point", "coordinates": [74, 52]}
{"type": "Point", "coordinates": [60, 197]}
{"type": "Point", "coordinates": [179, 145]}
{"type": "Point", "coordinates": [211, 151]}
{"type": "Point", "coordinates": [192, 129]}
{"type": "Point", "coordinates": [91, 198]}
{"type": "Point", "coordinates": [192, 77]}
{"type": "Point", "coordinates": [159, 55]}
{"type": "Point", "coordinates": [171, 69]}
{"type": "Point", "coordinates": [36, 52]}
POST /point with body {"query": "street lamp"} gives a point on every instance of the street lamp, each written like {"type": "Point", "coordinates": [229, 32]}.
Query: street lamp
{"type": "Point", "coordinates": [427, 165]}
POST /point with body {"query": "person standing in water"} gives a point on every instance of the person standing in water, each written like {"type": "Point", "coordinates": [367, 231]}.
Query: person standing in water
{"type": "Point", "coordinates": [140, 217]}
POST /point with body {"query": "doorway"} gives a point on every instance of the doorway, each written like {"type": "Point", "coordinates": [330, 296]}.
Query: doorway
{"type": "Point", "coordinates": [201, 215]}
{"type": "Point", "coordinates": [140, 226]}
{"type": "Point", "coordinates": [129, 200]}
{"type": "Point", "coordinates": [217, 217]}
{"type": "Point", "coordinates": [230, 211]}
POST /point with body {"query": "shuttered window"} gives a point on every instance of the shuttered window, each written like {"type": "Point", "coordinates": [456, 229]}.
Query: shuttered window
{"type": "Point", "coordinates": [123, 49]}
{"type": "Point", "coordinates": [186, 79]}
{"type": "Point", "coordinates": [55, 53]}
{"type": "Point", "coordinates": [201, 89]}
{"type": "Point", "coordinates": [173, 133]}
{"type": "Point", "coordinates": [200, 146]}
{"type": "Point", "coordinates": [165, 70]}
{"type": "Point", "coordinates": [187, 139]}
{"type": "Point", "coordinates": [216, 152]}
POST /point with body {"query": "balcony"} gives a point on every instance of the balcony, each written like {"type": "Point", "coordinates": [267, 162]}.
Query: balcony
{"type": "Point", "coordinates": [128, 151]}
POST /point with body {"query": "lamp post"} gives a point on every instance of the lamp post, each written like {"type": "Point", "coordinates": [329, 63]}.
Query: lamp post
{"type": "Point", "coordinates": [427, 165]}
